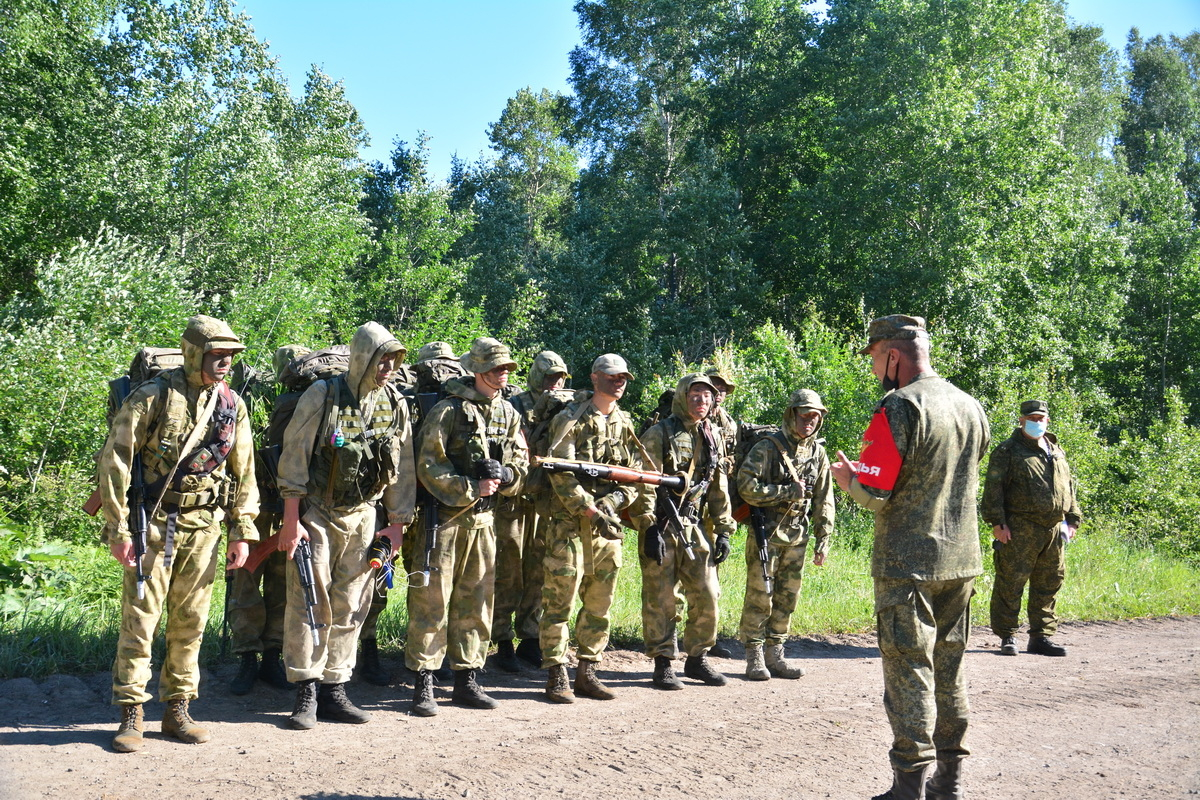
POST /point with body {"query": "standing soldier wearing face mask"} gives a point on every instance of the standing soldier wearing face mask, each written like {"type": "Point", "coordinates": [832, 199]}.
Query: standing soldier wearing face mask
{"type": "Point", "coordinates": [192, 435]}
{"type": "Point", "coordinates": [685, 444]}
{"type": "Point", "coordinates": [787, 475]}
{"type": "Point", "coordinates": [348, 445]}
{"type": "Point", "coordinates": [471, 449]}
{"type": "Point", "coordinates": [1029, 500]}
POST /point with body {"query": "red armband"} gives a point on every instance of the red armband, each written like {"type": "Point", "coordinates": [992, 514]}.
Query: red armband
{"type": "Point", "coordinates": [880, 462]}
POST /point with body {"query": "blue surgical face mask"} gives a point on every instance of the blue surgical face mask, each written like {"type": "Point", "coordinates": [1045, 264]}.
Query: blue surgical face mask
{"type": "Point", "coordinates": [1035, 428]}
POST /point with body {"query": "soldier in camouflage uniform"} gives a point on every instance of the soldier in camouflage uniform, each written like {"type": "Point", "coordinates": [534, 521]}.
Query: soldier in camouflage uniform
{"type": "Point", "coordinates": [583, 551]}
{"type": "Point", "coordinates": [1029, 500]}
{"type": "Point", "coordinates": [256, 616]}
{"type": "Point", "coordinates": [193, 476]}
{"type": "Point", "coordinates": [520, 542]}
{"type": "Point", "coordinates": [727, 427]}
{"type": "Point", "coordinates": [919, 473]}
{"type": "Point", "coordinates": [787, 475]}
{"type": "Point", "coordinates": [685, 444]}
{"type": "Point", "coordinates": [470, 448]}
{"type": "Point", "coordinates": [348, 445]}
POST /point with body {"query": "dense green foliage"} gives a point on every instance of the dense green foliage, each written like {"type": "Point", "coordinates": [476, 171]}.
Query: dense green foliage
{"type": "Point", "coordinates": [741, 183]}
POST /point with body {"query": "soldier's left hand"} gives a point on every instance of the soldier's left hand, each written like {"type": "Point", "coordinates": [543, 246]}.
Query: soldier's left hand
{"type": "Point", "coordinates": [237, 554]}
{"type": "Point", "coordinates": [819, 559]}
{"type": "Point", "coordinates": [721, 549]}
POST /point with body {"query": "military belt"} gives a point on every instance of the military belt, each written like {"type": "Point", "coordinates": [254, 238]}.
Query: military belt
{"type": "Point", "coordinates": [182, 500]}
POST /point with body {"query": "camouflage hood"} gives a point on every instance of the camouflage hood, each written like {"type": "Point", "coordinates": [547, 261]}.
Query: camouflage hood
{"type": "Point", "coordinates": [545, 363]}
{"type": "Point", "coordinates": [679, 406]}
{"type": "Point", "coordinates": [464, 387]}
{"type": "Point", "coordinates": [286, 355]}
{"type": "Point", "coordinates": [803, 400]}
{"type": "Point", "coordinates": [201, 335]}
{"type": "Point", "coordinates": [371, 342]}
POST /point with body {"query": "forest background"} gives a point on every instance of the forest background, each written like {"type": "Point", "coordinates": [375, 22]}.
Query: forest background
{"type": "Point", "coordinates": [731, 183]}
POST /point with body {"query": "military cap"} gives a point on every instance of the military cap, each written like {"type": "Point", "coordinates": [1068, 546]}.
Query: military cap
{"type": "Point", "coordinates": [611, 364]}
{"type": "Point", "coordinates": [545, 364]}
{"type": "Point", "coordinates": [1034, 407]}
{"type": "Point", "coordinates": [894, 326]}
{"type": "Point", "coordinates": [209, 333]}
{"type": "Point", "coordinates": [807, 398]}
{"type": "Point", "coordinates": [435, 350]}
{"type": "Point", "coordinates": [485, 355]}
{"type": "Point", "coordinates": [715, 372]}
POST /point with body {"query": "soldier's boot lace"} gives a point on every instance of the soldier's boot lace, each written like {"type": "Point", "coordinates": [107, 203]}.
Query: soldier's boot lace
{"type": "Point", "coordinates": [467, 691]}
{"type": "Point", "coordinates": [334, 705]}
{"type": "Point", "coordinates": [369, 668]}
{"type": "Point", "coordinates": [179, 724]}
{"type": "Point", "coordinates": [779, 666]}
{"type": "Point", "coordinates": [423, 704]}
{"type": "Point", "coordinates": [506, 657]}
{"type": "Point", "coordinates": [243, 682]}
{"type": "Point", "coordinates": [304, 715]}
{"type": "Point", "coordinates": [664, 674]}
{"type": "Point", "coordinates": [1008, 646]}
{"type": "Point", "coordinates": [272, 671]}
{"type": "Point", "coordinates": [698, 668]}
{"type": "Point", "coordinates": [530, 651]}
{"type": "Point", "coordinates": [946, 781]}
{"type": "Point", "coordinates": [756, 668]}
{"type": "Point", "coordinates": [588, 685]}
{"type": "Point", "coordinates": [905, 786]}
{"type": "Point", "coordinates": [558, 686]}
{"type": "Point", "coordinates": [129, 734]}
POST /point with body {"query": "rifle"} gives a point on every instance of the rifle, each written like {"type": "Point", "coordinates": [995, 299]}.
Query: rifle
{"type": "Point", "coordinates": [138, 522]}
{"type": "Point", "coordinates": [612, 473]}
{"type": "Point", "coordinates": [308, 582]}
{"type": "Point", "coordinates": [668, 509]}
{"type": "Point", "coordinates": [758, 524]}
{"type": "Point", "coordinates": [428, 505]}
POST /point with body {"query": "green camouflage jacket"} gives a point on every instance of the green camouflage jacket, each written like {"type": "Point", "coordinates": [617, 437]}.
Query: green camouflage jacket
{"type": "Point", "coordinates": [1025, 482]}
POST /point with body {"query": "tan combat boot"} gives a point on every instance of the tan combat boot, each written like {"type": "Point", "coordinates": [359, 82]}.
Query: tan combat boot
{"type": "Point", "coordinates": [588, 685]}
{"type": "Point", "coordinates": [756, 668]}
{"type": "Point", "coordinates": [558, 686]}
{"type": "Point", "coordinates": [178, 723]}
{"type": "Point", "coordinates": [779, 666]}
{"type": "Point", "coordinates": [129, 735]}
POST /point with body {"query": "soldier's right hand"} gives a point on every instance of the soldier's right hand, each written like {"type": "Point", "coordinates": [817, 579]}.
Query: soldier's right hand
{"type": "Point", "coordinates": [122, 551]}
{"type": "Point", "coordinates": [653, 544]}
{"type": "Point", "coordinates": [291, 531]}
{"type": "Point", "coordinates": [489, 486]}
{"type": "Point", "coordinates": [1002, 533]}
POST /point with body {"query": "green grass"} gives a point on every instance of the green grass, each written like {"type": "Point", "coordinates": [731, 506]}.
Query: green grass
{"type": "Point", "coordinates": [1107, 578]}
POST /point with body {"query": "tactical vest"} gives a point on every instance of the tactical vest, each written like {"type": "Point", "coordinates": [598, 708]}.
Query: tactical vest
{"type": "Point", "coordinates": [354, 460]}
{"type": "Point", "coordinates": [789, 520]}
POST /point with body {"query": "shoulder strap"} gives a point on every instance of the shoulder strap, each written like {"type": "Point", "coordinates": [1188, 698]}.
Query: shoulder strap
{"type": "Point", "coordinates": [188, 445]}
{"type": "Point", "coordinates": [572, 419]}
{"type": "Point", "coordinates": [777, 438]}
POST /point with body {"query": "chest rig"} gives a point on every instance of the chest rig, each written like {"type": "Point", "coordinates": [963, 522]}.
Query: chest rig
{"type": "Point", "coordinates": [354, 458]}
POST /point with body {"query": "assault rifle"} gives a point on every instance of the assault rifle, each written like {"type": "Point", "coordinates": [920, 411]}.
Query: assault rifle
{"type": "Point", "coordinates": [138, 524]}
{"type": "Point", "coordinates": [668, 509]}
{"type": "Point", "coordinates": [758, 524]}
{"type": "Point", "coordinates": [428, 504]}
{"type": "Point", "coordinates": [308, 582]}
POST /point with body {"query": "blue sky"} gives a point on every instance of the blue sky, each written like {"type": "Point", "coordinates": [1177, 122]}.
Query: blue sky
{"type": "Point", "coordinates": [447, 67]}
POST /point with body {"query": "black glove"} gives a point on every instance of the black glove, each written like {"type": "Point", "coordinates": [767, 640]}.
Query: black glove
{"type": "Point", "coordinates": [489, 469]}
{"type": "Point", "coordinates": [653, 544]}
{"type": "Point", "coordinates": [721, 548]}
{"type": "Point", "coordinates": [608, 521]}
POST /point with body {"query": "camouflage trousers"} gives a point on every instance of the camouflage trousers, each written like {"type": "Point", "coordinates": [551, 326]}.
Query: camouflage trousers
{"type": "Point", "coordinates": [453, 614]}
{"type": "Point", "coordinates": [520, 548]}
{"type": "Point", "coordinates": [184, 591]}
{"type": "Point", "coordinates": [565, 578]}
{"type": "Point", "coordinates": [1035, 555]}
{"type": "Point", "coordinates": [698, 580]}
{"type": "Point", "coordinates": [923, 631]}
{"type": "Point", "coordinates": [766, 618]}
{"type": "Point", "coordinates": [256, 615]}
{"type": "Point", "coordinates": [340, 541]}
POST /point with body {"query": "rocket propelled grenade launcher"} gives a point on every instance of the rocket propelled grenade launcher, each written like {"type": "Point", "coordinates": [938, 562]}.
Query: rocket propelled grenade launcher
{"type": "Point", "coordinates": [675, 483]}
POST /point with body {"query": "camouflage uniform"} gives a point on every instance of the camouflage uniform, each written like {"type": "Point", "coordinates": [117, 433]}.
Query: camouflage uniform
{"type": "Point", "coordinates": [455, 609]}
{"type": "Point", "coordinates": [1032, 492]}
{"type": "Point", "coordinates": [676, 446]}
{"type": "Point", "coordinates": [765, 480]}
{"type": "Point", "coordinates": [926, 555]}
{"type": "Point", "coordinates": [340, 507]}
{"type": "Point", "coordinates": [155, 421]}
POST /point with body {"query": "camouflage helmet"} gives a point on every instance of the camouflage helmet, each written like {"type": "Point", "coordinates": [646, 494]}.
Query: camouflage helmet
{"type": "Point", "coordinates": [894, 326]}
{"type": "Point", "coordinates": [717, 374]}
{"type": "Point", "coordinates": [485, 355]}
{"type": "Point", "coordinates": [545, 364]}
{"type": "Point", "coordinates": [209, 333]}
{"type": "Point", "coordinates": [436, 350]}
{"type": "Point", "coordinates": [807, 398]}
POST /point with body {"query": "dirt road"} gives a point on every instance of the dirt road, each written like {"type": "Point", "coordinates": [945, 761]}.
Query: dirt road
{"type": "Point", "coordinates": [1119, 717]}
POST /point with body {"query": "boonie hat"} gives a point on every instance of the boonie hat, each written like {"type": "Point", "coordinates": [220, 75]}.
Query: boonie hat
{"type": "Point", "coordinates": [894, 326]}
{"type": "Point", "coordinates": [485, 355]}
{"type": "Point", "coordinates": [715, 372]}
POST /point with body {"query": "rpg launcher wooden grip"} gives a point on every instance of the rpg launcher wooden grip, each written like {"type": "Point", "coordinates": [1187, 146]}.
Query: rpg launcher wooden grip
{"type": "Point", "coordinates": [608, 472]}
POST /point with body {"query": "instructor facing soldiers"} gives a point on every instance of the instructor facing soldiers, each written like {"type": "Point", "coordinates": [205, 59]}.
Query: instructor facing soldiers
{"type": "Point", "coordinates": [192, 434]}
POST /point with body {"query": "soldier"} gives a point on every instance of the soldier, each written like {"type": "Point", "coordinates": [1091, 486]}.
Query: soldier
{"type": "Point", "coordinates": [919, 473]}
{"type": "Point", "coordinates": [470, 448]}
{"type": "Point", "coordinates": [727, 428]}
{"type": "Point", "coordinates": [256, 616]}
{"type": "Point", "coordinates": [583, 551]}
{"type": "Point", "coordinates": [348, 445]}
{"type": "Point", "coordinates": [787, 475]}
{"type": "Point", "coordinates": [192, 435]}
{"type": "Point", "coordinates": [1029, 500]}
{"type": "Point", "coordinates": [520, 543]}
{"type": "Point", "coordinates": [685, 444]}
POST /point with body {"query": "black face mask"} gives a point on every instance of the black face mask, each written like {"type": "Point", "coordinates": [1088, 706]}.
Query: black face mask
{"type": "Point", "coordinates": [890, 383]}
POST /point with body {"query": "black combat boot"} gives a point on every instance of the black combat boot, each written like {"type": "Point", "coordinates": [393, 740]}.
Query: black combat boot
{"type": "Point", "coordinates": [243, 682]}
{"type": "Point", "coordinates": [304, 715]}
{"type": "Point", "coordinates": [946, 781]}
{"type": "Point", "coordinates": [272, 671]}
{"type": "Point", "coordinates": [423, 704]}
{"type": "Point", "coordinates": [719, 650]}
{"type": "Point", "coordinates": [698, 668]}
{"type": "Point", "coordinates": [1008, 646]}
{"type": "Point", "coordinates": [664, 674]}
{"type": "Point", "coordinates": [467, 692]}
{"type": "Point", "coordinates": [905, 786]}
{"type": "Point", "coordinates": [506, 657]}
{"type": "Point", "coordinates": [332, 704]}
{"type": "Point", "coordinates": [530, 651]}
{"type": "Point", "coordinates": [1042, 646]}
{"type": "Point", "coordinates": [369, 668]}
